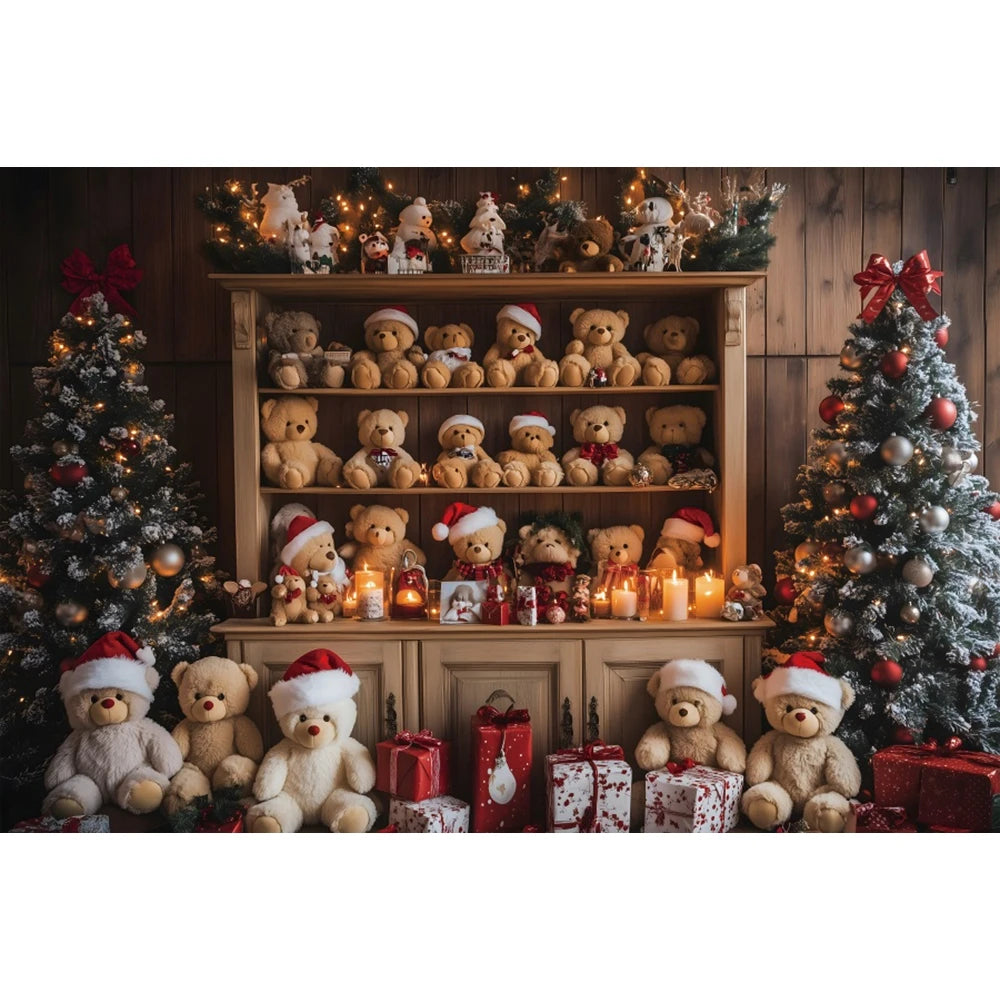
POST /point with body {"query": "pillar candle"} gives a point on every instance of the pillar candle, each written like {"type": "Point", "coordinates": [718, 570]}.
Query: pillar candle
{"type": "Point", "coordinates": [624, 603]}
{"type": "Point", "coordinates": [368, 585]}
{"type": "Point", "coordinates": [708, 596]}
{"type": "Point", "coordinates": [675, 598]}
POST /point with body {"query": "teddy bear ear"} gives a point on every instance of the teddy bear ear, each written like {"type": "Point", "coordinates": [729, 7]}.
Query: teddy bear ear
{"type": "Point", "coordinates": [576, 314]}
{"type": "Point", "coordinates": [468, 332]}
{"type": "Point", "coordinates": [250, 674]}
{"type": "Point", "coordinates": [363, 416]}
{"type": "Point", "coordinates": [653, 685]}
{"type": "Point", "coordinates": [178, 672]}
{"type": "Point", "coordinates": [639, 531]}
{"type": "Point", "coordinates": [404, 417]}
{"type": "Point", "coordinates": [620, 410]}
{"type": "Point", "coordinates": [650, 413]}
{"type": "Point", "coordinates": [757, 686]}
{"type": "Point", "coordinates": [153, 678]}
{"type": "Point", "coordinates": [692, 324]}
{"type": "Point", "coordinates": [846, 695]}
{"type": "Point", "coordinates": [355, 511]}
{"type": "Point", "coordinates": [573, 416]}
{"type": "Point", "coordinates": [313, 402]}
{"type": "Point", "coordinates": [592, 534]}
{"type": "Point", "coordinates": [231, 587]}
{"type": "Point", "coordinates": [268, 408]}
{"type": "Point", "coordinates": [502, 525]}
{"type": "Point", "coordinates": [403, 514]}
{"type": "Point", "coordinates": [429, 332]}
{"type": "Point", "coordinates": [525, 532]}
{"type": "Point", "coordinates": [754, 568]}
{"type": "Point", "coordinates": [269, 321]}
{"type": "Point", "coordinates": [623, 316]}
{"type": "Point", "coordinates": [701, 417]}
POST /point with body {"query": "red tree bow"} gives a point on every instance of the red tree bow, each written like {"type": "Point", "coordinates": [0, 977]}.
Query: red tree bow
{"type": "Point", "coordinates": [82, 279]}
{"type": "Point", "coordinates": [425, 738]}
{"type": "Point", "coordinates": [915, 281]}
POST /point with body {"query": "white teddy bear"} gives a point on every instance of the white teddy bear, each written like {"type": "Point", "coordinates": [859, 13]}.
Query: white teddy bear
{"type": "Point", "coordinates": [414, 225]}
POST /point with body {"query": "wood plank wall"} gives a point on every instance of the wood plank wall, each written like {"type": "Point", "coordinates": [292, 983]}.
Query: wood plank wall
{"type": "Point", "coordinates": [832, 219]}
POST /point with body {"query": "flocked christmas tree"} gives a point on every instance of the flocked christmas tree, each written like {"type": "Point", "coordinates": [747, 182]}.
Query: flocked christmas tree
{"type": "Point", "coordinates": [108, 535]}
{"type": "Point", "coordinates": [893, 569]}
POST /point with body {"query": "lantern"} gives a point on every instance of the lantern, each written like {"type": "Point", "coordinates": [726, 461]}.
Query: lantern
{"type": "Point", "coordinates": [409, 595]}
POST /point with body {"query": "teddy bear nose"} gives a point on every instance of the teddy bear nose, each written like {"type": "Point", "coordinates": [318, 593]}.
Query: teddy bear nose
{"type": "Point", "coordinates": [108, 703]}
{"type": "Point", "coordinates": [330, 555]}
{"type": "Point", "coordinates": [300, 428]}
{"type": "Point", "coordinates": [682, 712]}
{"type": "Point", "coordinates": [208, 706]}
{"type": "Point", "coordinates": [800, 716]}
{"type": "Point", "coordinates": [314, 730]}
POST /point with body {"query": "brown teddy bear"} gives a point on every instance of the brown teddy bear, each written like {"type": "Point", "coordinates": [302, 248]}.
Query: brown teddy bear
{"type": "Point", "coordinates": [306, 544]}
{"type": "Point", "coordinates": [378, 538]}
{"type": "Point", "coordinates": [220, 745]}
{"type": "Point", "coordinates": [680, 541]}
{"type": "Point", "coordinates": [476, 537]}
{"type": "Point", "coordinates": [288, 599]}
{"type": "Point", "coordinates": [597, 347]}
{"type": "Point", "coordinates": [381, 460]}
{"type": "Point", "coordinates": [589, 248]}
{"type": "Point", "coordinates": [671, 356]}
{"type": "Point", "coordinates": [619, 546]}
{"type": "Point", "coordinates": [463, 459]}
{"type": "Point", "coordinates": [392, 359]}
{"type": "Point", "coordinates": [676, 432]}
{"type": "Point", "coordinates": [324, 596]}
{"type": "Point", "coordinates": [291, 459]}
{"type": "Point", "coordinates": [748, 591]}
{"type": "Point", "coordinates": [597, 430]}
{"type": "Point", "coordinates": [548, 548]}
{"type": "Point", "coordinates": [515, 358]}
{"type": "Point", "coordinates": [296, 360]}
{"type": "Point", "coordinates": [450, 364]}
{"type": "Point", "coordinates": [799, 768]}
{"type": "Point", "coordinates": [529, 461]}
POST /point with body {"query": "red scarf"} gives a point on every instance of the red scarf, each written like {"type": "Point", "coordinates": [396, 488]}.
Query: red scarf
{"type": "Point", "coordinates": [520, 350]}
{"type": "Point", "coordinates": [479, 571]}
{"type": "Point", "coordinates": [292, 595]}
{"type": "Point", "coordinates": [599, 453]}
{"type": "Point", "coordinates": [328, 598]}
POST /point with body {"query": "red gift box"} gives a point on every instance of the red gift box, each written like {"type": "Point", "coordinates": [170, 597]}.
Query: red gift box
{"type": "Point", "coordinates": [414, 766]}
{"type": "Point", "coordinates": [495, 612]}
{"type": "Point", "coordinates": [501, 768]}
{"type": "Point", "coordinates": [867, 817]}
{"type": "Point", "coordinates": [207, 823]}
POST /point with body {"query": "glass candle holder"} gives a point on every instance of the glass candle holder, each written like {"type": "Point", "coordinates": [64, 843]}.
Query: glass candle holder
{"type": "Point", "coordinates": [350, 603]}
{"type": "Point", "coordinates": [600, 604]}
{"type": "Point", "coordinates": [434, 600]}
{"type": "Point", "coordinates": [645, 585]}
{"type": "Point", "coordinates": [709, 592]}
{"type": "Point", "coordinates": [409, 589]}
{"type": "Point", "coordinates": [624, 587]}
{"type": "Point", "coordinates": [370, 587]}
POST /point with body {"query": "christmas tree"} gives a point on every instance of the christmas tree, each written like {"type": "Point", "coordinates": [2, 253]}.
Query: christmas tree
{"type": "Point", "coordinates": [107, 535]}
{"type": "Point", "coordinates": [893, 569]}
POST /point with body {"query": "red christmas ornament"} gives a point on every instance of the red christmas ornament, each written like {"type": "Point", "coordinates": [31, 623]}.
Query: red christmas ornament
{"type": "Point", "coordinates": [863, 507]}
{"type": "Point", "coordinates": [902, 736]}
{"type": "Point", "coordinates": [978, 663]}
{"type": "Point", "coordinates": [994, 510]}
{"type": "Point", "coordinates": [996, 650]}
{"type": "Point", "coordinates": [785, 591]}
{"type": "Point", "coordinates": [886, 673]}
{"type": "Point", "coordinates": [941, 337]}
{"type": "Point", "coordinates": [68, 475]}
{"type": "Point", "coordinates": [830, 408]}
{"type": "Point", "coordinates": [942, 412]}
{"type": "Point", "coordinates": [893, 365]}
{"type": "Point", "coordinates": [37, 577]}
{"type": "Point", "coordinates": [130, 447]}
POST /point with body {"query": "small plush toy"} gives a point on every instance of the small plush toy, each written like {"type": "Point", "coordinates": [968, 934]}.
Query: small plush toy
{"type": "Point", "coordinates": [680, 541]}
{"type": "Point", "coordinates": [463, 461]}
{"type": "Point", "coordinates": [221, 747]}
{"type": "Point", "coordinates": [579, 602]}
{"type": "Point", "coordinates": [589, 247]}
{"type": "Point", "coordinates": [381, 460]}
{"type": "Point", "coordinates": [291, 459]}
{"type": "Point", "coordinates": [485, 235]}
{"type": "Point", "coordinates": [298, 244]}
{"type": "Point", "coordinates": [378, 538]}
{"type": "Point", "coordinates": [450, 364]}
{"type": "Point", "coordinates": [288, 599]}
{"type": "Point", "coordinates": [597, 431]}
{"type": "Point", "coordinates": [550, 242]}
{"type": "Point", "coordinates": [280, 209]}
{"type": "Point", "coordinates": [324, 596]}
{"type": "Point", "coordinates": [617, 547]}
{"type": "Point", "coordinates": [323, 242]}
{"type": "Point", "coordinates": [676, 450]}
{"type": "Point", "coordinates": [114, 754]}
{"type": "Point", "coordinates": [305, 544]}
{"type": "Point", "coordinates": [515, 358]}
{"type": "Point", "coordinates": [548, 549]}
{"type": "Point", "coordinates": [597, 346]}
{"type": "Point", "coordinates": [374, 253]}
{"type": "Point", "coordinates": [799, 768]}
{"type": "Point", "coordinates": [529, 461]}
{"type": "Point", "coordinates": [413, 234]}
{"type": "Point", "coordinates": [317, 773]}
{"type": "Point", "coordinates": [671, 358]}
{"type": "Point", "coordinates": [476, 537]}
{"type": "Point", "coordinates": [392, 358]}
{"type": "Point", "coordinates": [747, 591]}
{"type": "Point", "coordinates": [646, 245]}
{"type": "Point", "coordinates": [296, 360]}
{"type": "Point", "coordinates": [242, 595]}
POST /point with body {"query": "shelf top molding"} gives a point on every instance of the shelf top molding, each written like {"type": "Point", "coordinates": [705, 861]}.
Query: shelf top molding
{"type": "Point", "coordinates": [488, 390]}
{"type": "Point", "coordinates": [588, 284]}
{"type": "Point", "coordinates": [496, 491]}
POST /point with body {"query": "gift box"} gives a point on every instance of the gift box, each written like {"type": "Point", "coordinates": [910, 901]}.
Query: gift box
{"type": "Point", "coordinates": [72, 824]}
{"type": "Point", "coordinates": [527, 606]}
{"type": "Point", "coordinates": [686, 797]}
{"type": "Point", "coordinates": [391, 828]}
{"type": "Point", "coordinates": [868, 817]}
{"type": "Point", "coordinates": [501, 768]}
{"type": "Point", "coordinates": [209, 822]}
{"type": "Point", "coordinates": [588, 790]}
{"type": "Point", "coordinates": [414, 766]}
{"type": "Point", "coordinates": [443, 814]}
{"type": "Point", "coordinates": [495, 612]}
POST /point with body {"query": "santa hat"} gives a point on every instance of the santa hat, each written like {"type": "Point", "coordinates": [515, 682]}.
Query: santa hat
{"type": "Point", "coordinates": [530, 419]}
{"type": "Point", "coordinates": [115, 660]}
{"type": "Point", "coordinates": [460, 418]}
{"type": "Point", "coordinates": [701, 675]}
{"type": "Point", "coordinates": [284, 573]}
{"type": "Point", "coordinates": [802, 673]}
{"type": "Point", "coordinates": [303, 528]}
{"type": "Point", "coordinates": [318, 677]}
{"type": "Point", "coordinates": [691, 524]}
{"type": "Point", "coordinates": [396, 314]}
{"type": "Point", "coordinates": [460, 519]}
{"type": "Point", "coordinates": [525, 314]}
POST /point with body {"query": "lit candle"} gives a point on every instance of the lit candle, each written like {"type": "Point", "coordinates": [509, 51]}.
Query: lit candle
{"type": "Point", "coordinates": [600, 606]}
{"type": "Point", "coordinates": [434, 600]}
{"type": "Point", "coordinates": [409, 597]}
{"type": "Point", "coordinates": [708, 596]}
{"type": "Point", "coordinates": [371, 600]}
{"type": "Point", "coordinates": [624, 602]}
{"type": "Point", "coordinates": [675, 599]}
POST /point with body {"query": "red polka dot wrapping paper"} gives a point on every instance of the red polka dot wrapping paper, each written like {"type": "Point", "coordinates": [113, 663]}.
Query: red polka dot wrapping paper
{"type": "Point", "coordinates": [98, 823]}
{"type": "Point", "coordinates": [698, 800]}
{"type": "Point", "coordinates": [442, 814]}
{"type": "Point", "coordinates": [569, 793]}
{"type": "Point", "coordinates": [413, 772]}
{"type": "Point", "coordinates": [488, 814]}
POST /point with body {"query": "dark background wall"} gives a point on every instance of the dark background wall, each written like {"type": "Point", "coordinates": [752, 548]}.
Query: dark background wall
{"type": "Point", "coordinates": [831, 220]}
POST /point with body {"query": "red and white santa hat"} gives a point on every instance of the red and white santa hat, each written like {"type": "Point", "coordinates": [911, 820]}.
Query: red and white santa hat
{"type": "Point", "coordinates": [524, 313]}
{"type": "Point", "coordinates": [460, 519]}
{"type": "Point", "coordinates": [691, 524]}
{"type": "Point", "coordinates": [698, 674]}
{"type": "Point", "coordinates": [284, 573]}
{"type": "Point", "coordinates": [460, 418]}
{"type": "Point", "coordinates": [318, 677]}
{"type": "Point", "coordinates": [115, 660]}
{"type": "Point", "coordinates": [302, 528]}
{"type": "Point", "coordinates": [530, 419]}
{"type": "Point", "coordinates": [802, 673]}
{"type": "Point", "coordinates": [397, 314]}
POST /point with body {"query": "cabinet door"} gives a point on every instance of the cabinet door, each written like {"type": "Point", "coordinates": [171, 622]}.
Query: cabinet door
{"type": "Point", "coordinates": [616, 672]}
{"type": "Point", "coordinates": [539, 674]}
{"type": "Point", "coordinates": [379, 666]}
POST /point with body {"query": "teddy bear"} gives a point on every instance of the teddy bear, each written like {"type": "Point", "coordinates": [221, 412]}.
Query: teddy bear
{"type": "Point", "coordinates": [589, 248]}
{"type": "Point", "coordinates": [305, 545]}
{"type": "Point", "coordinates": [291, 459]}
{"type": "Point", "coordinates": [676, 450]}
{"type": "Point", "coordinates": [374, 253]}
{"type": "Point", "coordinates": [450, 364]}
{"type": "Point", "coordinates": [220, 745]}
{"type": "Point", "coordinates": [289, 603]}
{"type": "Point", "coordinates": [378, 538]}
{"type": "Point", "coordinates": [280, 210]}
{"type": "Point", "coordinates": [317, 774]}
{"type": "Point", "coordinates": [476, 536]}
{"type": "Point", "coordinates": [529, 461]}
{"type": "Point", "coordinates": [548, 548]}
{"type": "Point", "coordinates": [463, 461]}
{"type": "Point", "coordinates": [324, 596]}
{"type": "Point", "coordinates": [381, 460]}
{"type": "Point", "coordinates": [392, 358]}
{"type": "Point", "coordinates": [413, 234]}
{"type": "Point", "coordinates": [645, 247]}
{"type": "Point", "coordinates": [515, 358]}
{"type": "Point", "coordinates": [671, 356]}
{"type": "Point", "coordinates": [616, 548]}
{"type": "Point", "coordinates": [799, 768]}
{"type": "Point", "coordinates": [680, 541]}
{"type": "Point", "coordinates": [747, 591]}
{"type": "Point", "coordinates": [114, 754]}
{"type": "Point", "coordinates": [597, 431]}
{"type": "Point", "coordinates": [296, 360]}
{"type": "Point", "coordinates": [597, 346]}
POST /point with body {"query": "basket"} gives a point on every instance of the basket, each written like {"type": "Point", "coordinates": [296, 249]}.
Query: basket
{"type": "Point", "coordinates": [493, 263]}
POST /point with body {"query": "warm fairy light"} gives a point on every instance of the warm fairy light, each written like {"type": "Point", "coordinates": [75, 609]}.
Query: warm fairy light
{"type": "Point", "coordinates": [98, 406]}
{"type": "Point", "coordinates": [563, 178]}
{"type": "Point", "coordinates": [388, 184]}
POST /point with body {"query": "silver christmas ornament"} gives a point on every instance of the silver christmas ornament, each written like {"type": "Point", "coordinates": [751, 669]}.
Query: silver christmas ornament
{"type": "Point", "coordinates": [910, 614]}
{"type": "Point", "coordinates": [860, 559]}
{"type": "Point", "coordinates": [118, 493]}
{"type": "Point", "coordinates": [70, 613]}
{"type": "Point", "coordinates": [917, 572]}
{"type": "Point", "coordinates": [834, 494]}
{"type": "Point", "coordinates": [805, 550]}
{"type": "Point", "coordinates": [850, 357]}
{"type": "Point", "coordinates": [835, 452]}
{"type": "Point", "coordinates": [839, 623]}
{"type": "Point", "coordinates": [896, 450]}
{"type": "Point", "coordinates": [168, 559]}
{"type": "Point", "coordinates": [60, 448]}
{"type": "Point", "coordinates": [133, 577]}
{"type": "Point", "coordinates": [934, 520]}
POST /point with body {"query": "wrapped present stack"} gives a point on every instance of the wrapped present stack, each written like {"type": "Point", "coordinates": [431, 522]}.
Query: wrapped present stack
{"type": "Point", "coordinates": [588, 789]}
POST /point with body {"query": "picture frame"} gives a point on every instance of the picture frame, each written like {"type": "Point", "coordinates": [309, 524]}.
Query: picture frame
{"type": "Point", "coordinates": [462, 601]}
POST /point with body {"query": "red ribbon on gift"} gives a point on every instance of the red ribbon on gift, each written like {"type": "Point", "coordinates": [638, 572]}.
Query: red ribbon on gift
{"type": "Point", "coordinates": [871, 818]}
{"type": "Point", "coordinates": [425, 738]}
{"type": "Point", "coordinates": [952, 747]}
{"type": "Point", "coordinates": [82, 279]}
{"type": "Point", "coordinates": [915, 280]}
{"type": "Point", "coordinates": [680, 766]}
{"type": "Point", "coordinates": [490, 716]}
{"type": "Point", "coordinates": [590, 753]}
{"type": "Point", "coordinates": [428, 741]}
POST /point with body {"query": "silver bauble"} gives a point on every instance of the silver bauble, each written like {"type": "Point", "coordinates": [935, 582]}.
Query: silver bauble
{"type": "Point", "coordinates": [133, 577]}
{"type": "Point", "coordinates": [850, 357]}
{"type": "Point", "coordinates": [951, 459]}
{"type": "Point", "coordinates": [839, 623]}
{"type": "Point", "coordinates": [917, 572]}
{"type": "Point", "coordinates": [835, 493]}
{"type": "Point", "coordinates": [70, 613]}
{"type": "Point", "coordinates": [910, 614]}
{"type": "Point", "coordinates": [896, 450]}
{"type": "Point", "coordinates": [934, 520]}
{"type": "Point", "coordinates": [861, 559]}
{"type": "Point", "coordinates": [118, 493]}
{"type": "Point", "coordinates": [60, 448]}
{"type": "Point", "coordinates": [168, 559]}
{"type": "Point", "coordinates": [836, 452]}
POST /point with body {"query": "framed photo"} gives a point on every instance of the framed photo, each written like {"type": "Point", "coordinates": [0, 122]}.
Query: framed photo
{"type": "Point", "coordinates": [462, 602]}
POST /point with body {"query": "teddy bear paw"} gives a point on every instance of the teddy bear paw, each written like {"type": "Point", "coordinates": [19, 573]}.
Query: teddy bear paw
{"type": "Point", "coordinates": [548, 376]}
{"type": "Point", "coordinates": [291, 479]}
{"type": "Point", "coordinates": [572, 375]}
{"type": "Point", "coordinates": [287, 377]}
{"type": "Point", "coordinates": [489, 477]}
{"type": "Point", "coordinates": [66, 807]}
{"type": "Point", "coordinates": [548, 476]}
{"type": "Point", "coordinates": [656, 372]}
{"type": "Point", "coordinates": [616, 475]}
{"type": "Point", "coordinates": [144, 797]}
{"type": "Point", "coordinates": [359, 478]}
{"type": "Point", "coordinates": [450, 478]}
{"type": "Point", "coordinates": [499, 377]}
{"type": "Point", "coordinates": [435, 376]}
{"type": "Point", "coordinates": [265, 824]}
{"type": "Point", "coordinates": [516, 475]}
{"type": "Point", "coordinates": [830, 821]}
{"type": "Point", "coordinates": [622, 375]}
{"type": "Point", "coordinates": [579, 475]}
{"type": "Point", "coordinates": [399, 378]}
{"type": "Point", "coordinates": [403, 477]}
{"type": "Point", "coordinates": [468, 377]}
{"type": "Point", "coordinates": [762, 814]}
{"type": "Point", "coordinates": [354, 819]}
{"type": "Point", "coordinates": [333, 376]}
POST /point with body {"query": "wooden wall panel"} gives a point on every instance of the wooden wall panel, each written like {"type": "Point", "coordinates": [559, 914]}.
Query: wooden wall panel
{"type": "Point", "coordinates": [923, 211]}
{"type": "Point", "coordinates": [785, 314]}
{"type": "Point", "coordinates": [881, 222]}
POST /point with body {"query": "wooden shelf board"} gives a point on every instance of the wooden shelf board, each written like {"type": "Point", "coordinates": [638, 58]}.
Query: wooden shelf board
{"type": "Point", "coordinates": [500, 490]}
{"type": "Point", "coordinates": [560, 390]}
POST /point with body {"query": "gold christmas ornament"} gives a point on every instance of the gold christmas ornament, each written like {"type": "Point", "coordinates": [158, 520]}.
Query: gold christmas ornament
{"type": "Point", "coordinates": [118, 493]}
{"type": "Point", "coordinates": [132, 578]}
{"type": "Point", "coordinates": [70, 613]}
{"type": "Point", "coordinates": [60, 448]}
{"type": "Point", "coordinates": [839, 623]}
{"type": "Point", "coordinates": [168, 559]}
